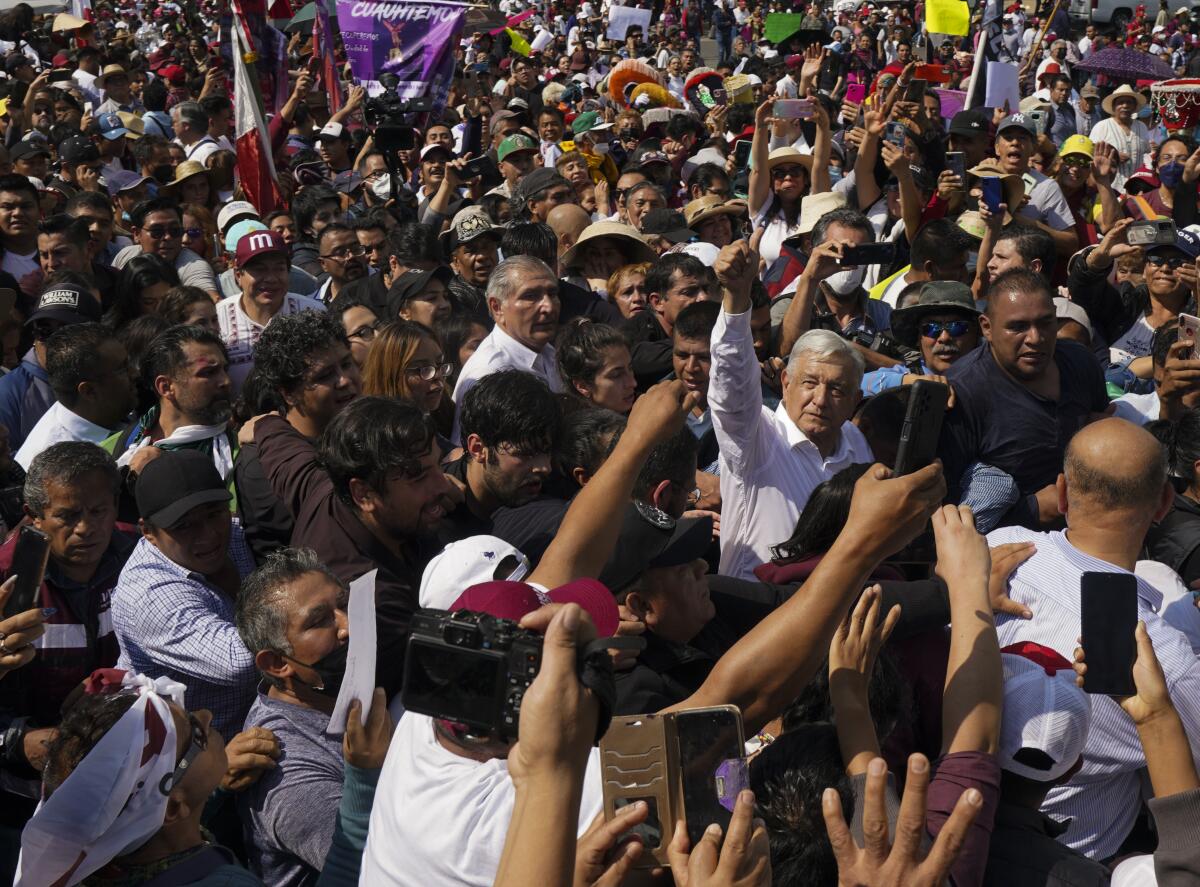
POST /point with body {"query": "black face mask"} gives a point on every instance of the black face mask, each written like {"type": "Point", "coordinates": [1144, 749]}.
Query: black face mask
{"type": "Point", "coordinates": [164, 174]}
{"type": "Point", "coordinates": [330, 669]}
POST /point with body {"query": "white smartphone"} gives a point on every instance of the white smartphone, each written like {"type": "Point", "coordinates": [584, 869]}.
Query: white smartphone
{"type": "Point", "coordinates": [1189, 328]}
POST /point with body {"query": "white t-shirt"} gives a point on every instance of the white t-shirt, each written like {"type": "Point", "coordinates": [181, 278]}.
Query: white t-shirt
{"type": "Point", "coordinates": [1136, 340]}
{"type": "Point", "coordinates": [1046, 203]}
{"type": "Point", "coordinates": [18, 266]}
{"type": "Point", "coordinates": [241, 333]}
{"type": "Point", "coordinates": [440, 818]}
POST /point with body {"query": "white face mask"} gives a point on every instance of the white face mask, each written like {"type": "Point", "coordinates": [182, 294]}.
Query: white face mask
{"type": "Point", "coordinates": [845, 282]}
{"type": "Point", "coordinates": [600, 148]}
{"type": "Point", "coordinates": [382, 186]}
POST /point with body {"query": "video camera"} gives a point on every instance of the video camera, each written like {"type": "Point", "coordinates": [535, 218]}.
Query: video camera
{"type": "Point", "coordinates": [474, 669]}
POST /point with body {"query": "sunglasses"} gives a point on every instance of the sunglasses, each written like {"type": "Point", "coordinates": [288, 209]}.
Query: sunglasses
{"type": "Point", "coordinates": [346, 252]}
{"type": "Point", "coordinates": [1076, 162]}
{"type": "Point", "coordinates": [430, 372]}
{"type": "Point", "coordinates": [158, 232]}
{"type": "Point", "coordinates": [197, 743]}
{"type": "Point", "coordinates": [956, 328]}
{"type": "Point", "coordinates": [193, 232]}
{"type": "Point", "coordinates": [1172, 262]}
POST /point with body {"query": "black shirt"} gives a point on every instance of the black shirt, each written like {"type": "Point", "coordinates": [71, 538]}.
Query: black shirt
{"type": "Point", "coordinates": [650, 348]}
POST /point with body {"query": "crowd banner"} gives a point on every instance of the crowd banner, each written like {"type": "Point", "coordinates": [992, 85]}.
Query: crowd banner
{"type": "Point", "coordinates": [986, 50]}
{"type": "Point", "coordinates": [622, 18]}
{"type": "Point", "coordinates": [414, 40]}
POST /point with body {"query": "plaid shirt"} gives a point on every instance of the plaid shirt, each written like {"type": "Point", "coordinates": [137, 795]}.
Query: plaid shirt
{"type": "Point", "coordinates": [173, 622]}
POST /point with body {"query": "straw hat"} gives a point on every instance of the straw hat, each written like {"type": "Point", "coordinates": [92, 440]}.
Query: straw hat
{"type": "Point", "coordinates": [109, 71]}
{"type": "Point", "coordinates": [133, 123]}
{"type": "Point", "coordinates": [813, 206]}
{"type": "Point", "coordinates": [626, 236]}
{"type": "Point", "coordinates": [64, 21]}
{"type": "Point", "coordinates": [187, 170]}
{"type": "Point", "coordinates": [784, 156]}
{"type": "Point", "coordinates": [710, 206]}
{"type": "Point", "coordinates": [1124, 91]}
{"type": "Point", "coordinates": [1014, 186]}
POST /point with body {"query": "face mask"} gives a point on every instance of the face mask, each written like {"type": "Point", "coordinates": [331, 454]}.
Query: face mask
{"type": "Point", "coordinates": [330, 669]}
{"type": "Point", "coordinates": [835, 174]}
{"type": "Point", "coordinates": [1145, 113]}
{"type": "Point", "coordinates": [845, 282]}
{"type": "Point", "coordinates": [1171, 174]}
{"type": "Point", "coordinates": [600, 148]}
{"type": "Point", "coordinates": [382, 186]}
{"type": "Point", "coordinates": [164, 174]}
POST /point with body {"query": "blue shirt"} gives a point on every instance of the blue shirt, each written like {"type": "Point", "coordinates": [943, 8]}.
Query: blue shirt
{"type": "Point", "coordinates": [25, 396]}
{"type": "Point", "coordinates": [174, 622]}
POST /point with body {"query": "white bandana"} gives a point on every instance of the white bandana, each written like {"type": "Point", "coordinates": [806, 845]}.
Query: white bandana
{"type": "Point", "coordinates": [110, 804]}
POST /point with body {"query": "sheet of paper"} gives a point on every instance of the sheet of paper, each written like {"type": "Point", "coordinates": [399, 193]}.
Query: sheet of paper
{"type": "Point", "coordinates": [1002, 87]}
{"type": "Point", "coordinates": [359, 682]}
{"type": "Point", "coordinates": [541, 40]}
{"type": "Point", "coordinates": [622, 18]}
{"type": "Point", "coordinates": [951, 17]}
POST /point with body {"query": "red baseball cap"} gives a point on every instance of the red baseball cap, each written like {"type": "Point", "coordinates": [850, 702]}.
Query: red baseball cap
{"type": "Point", "coordinates": [512, 600]}
{"type": "Point", "coordinates": [258, 243]}
{"type": "Point", "coordinates": [173, 74]}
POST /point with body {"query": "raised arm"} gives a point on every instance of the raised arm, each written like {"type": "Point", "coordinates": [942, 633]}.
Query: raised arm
{"type": "Point", "coordinates": [759, 189]}
{"type": "Point", "coordinates": [821, 264]}
{"type": "Point", "coordinates": [822, 149]}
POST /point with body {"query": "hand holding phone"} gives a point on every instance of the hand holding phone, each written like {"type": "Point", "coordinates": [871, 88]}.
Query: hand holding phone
{"type": "Point", "coordinates": [1108, 615]}
{"type": "Point", "coordinates": [993, 194]}
{"type": "Point", "coordinates": [956, 162]}
{"type": "Point", "coordinates": [28, 566]}
{"type": "Point", "coordinates": [922, 426]}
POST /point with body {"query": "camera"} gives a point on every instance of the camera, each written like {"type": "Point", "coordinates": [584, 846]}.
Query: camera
{"type": "Point", "coordinates": [882, 343]}
{"type": "Point", "coordinates": [471, 668]}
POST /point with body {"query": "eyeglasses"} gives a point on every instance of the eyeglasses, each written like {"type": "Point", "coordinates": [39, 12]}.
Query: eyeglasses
{"type": "Point", "coordinates": [365, 333]}
{"type": "Point", "coordinates": [346, 252]}
{"type": "Point", "coordinates": [629, 135]}
{"type": "Point", "coordinates": [1172, 262]}
{"type": "Point", "coordinates": [158, 232]}
{"type": "Point", "coordinates": [956, 328]}
{"type": "Point", "coordinates": [429, 372]}
{"type": "Point", "coordinates": [197, 743]}
{"type": "Point", "coordinates": [193, 232]}
{"type": "Point", "coordinates": [786, 172]}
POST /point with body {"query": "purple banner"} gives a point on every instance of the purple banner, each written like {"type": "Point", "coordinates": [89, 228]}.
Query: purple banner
{"type": "Point", "coordinates": [413, 39]}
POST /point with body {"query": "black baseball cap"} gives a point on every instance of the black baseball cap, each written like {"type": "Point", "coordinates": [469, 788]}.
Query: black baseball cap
{"type": "Point", "coordinates": [669, 224]}
{"type": "Point", "coordinates": [78, 149]}
{"type": "Point", "coordinates": [28, 148]}
{"type": "Point", "coordinates": [652, 538]}
{"type": "Point", "coordinates": [175, 483]}
{"type": "Point", "coordinates": [970, 123]}
{"type": "Point", "coordinates": [67, 304]}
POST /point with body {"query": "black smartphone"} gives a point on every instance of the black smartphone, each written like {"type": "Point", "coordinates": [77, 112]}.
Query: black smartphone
{"type": "Point", "coordinates": [712, 765]}
{"type": "Point", "coordinates": [1107, 620]}
{"type": "Point", "coordinates": [883, 253]}
{"type": "Point", "coordinates": [741, 153]}
{"type": "Point", "coordinates": [60, 76]}
{"type": "Point", "coordinates": [993, 193]}
{"type": "Point", "coordinates": [390, 138]}
{"type": "Point", "coordinates": [956, 162]}
{"type": "Point", "coordinates": [915, 91]}
{"type": "Point", "coordinates": [480, 166]}
{"type": "Point", "coordinates": [922, 426]}
{"type": "Point", "coordinates": [28, 565]}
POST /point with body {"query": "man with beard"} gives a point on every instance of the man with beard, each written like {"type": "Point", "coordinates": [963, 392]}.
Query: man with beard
{"type": "Point", "coordinates": [1019, 398]}
{"type": "Point", "coordinates": [187, 369]}
{"type": "Point", "coordinates": [510, 425]}
{"type": "Point", "coordinates": [471, 245]}
{"type": "Point", "coordinates": [342, 257]}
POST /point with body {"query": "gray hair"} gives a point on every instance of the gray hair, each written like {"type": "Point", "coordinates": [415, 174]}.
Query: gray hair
{"type": "Point", "coordinates": [512, 272]}
{"type": "Point", "coordinates": [65, 463]}
{"type": "Point", "coordinates": [826, 345]}
{"type": "Point", "coordinates": [193, 114]}
{"type": "Point", "coordinates": [261, 621]}
{"type": "Point", "coordinates": [849, 218]}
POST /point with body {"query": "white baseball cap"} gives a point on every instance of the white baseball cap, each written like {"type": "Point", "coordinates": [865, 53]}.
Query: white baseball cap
{"type": "Point", "coordinates": [465, 563]}
{"type": "Point", "coordinates": [232, 210]}
{"type": "Point", "coordinates": [1046, 716]}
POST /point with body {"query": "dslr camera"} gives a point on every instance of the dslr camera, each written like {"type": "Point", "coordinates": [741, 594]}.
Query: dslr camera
{"type": "Point", "coordinates": [471, 668]}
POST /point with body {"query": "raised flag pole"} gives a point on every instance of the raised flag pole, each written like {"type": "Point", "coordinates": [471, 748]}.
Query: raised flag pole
{"type": "Point", "coordinates": [255, 164]}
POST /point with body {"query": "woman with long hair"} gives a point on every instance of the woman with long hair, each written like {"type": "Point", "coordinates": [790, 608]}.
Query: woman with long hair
{"type": "Point", "coordinates": [199, 229]}
{"type": "Point", "coordinates": [595, 364]}
{"type": "Point", "coordinates": [406, 361]}
{"type": "Point", "coordinates": [189, 305]}
{"type": "Point", "coordinates": [143, 282]}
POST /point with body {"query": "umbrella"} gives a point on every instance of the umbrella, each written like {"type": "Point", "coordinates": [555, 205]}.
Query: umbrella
{"type": "Point", "coordinates": [304, 18]}
{"type": "Point", "coordinates": [1123, 63]}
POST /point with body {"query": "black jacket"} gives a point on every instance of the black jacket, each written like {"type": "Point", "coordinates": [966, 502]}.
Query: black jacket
{"type": "Point", "coordinates": [650, 348]}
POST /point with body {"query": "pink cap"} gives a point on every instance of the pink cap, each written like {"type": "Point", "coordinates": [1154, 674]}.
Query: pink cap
{"type": "Point", "coordinates": [512, 600]}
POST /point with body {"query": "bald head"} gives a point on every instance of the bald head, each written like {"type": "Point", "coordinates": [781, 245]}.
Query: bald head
{"type": "Point", "coordinates": [568, 221]}
{"type": "Point", "coordinates": [1115, 465]}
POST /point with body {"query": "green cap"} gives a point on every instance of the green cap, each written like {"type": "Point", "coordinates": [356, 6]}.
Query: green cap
{"type": "Point", "coordinates": [514, 143]}
{"type": "Point", "coordinates": [588, 121]}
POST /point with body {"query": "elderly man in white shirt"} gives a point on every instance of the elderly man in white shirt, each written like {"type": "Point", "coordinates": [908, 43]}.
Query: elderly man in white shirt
{"type": "Point", "coordinates": [772, 460]}
{"type": "Point", "coordinates": [1109, 504]}
{"type": "Point", "coordinates": [522, 296]}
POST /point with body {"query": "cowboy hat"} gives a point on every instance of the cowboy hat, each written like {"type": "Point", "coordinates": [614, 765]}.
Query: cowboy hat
{"type": "Point", "coordinates": [186, 170]}
{"type": "Point", "coordinates": [784, 156]}
{"type": "Point", "coordinates": [1124, 91]}
{"type": "Point", "coordinates": [710, 206]}
{"type": "Point", "coordinates": [1013, 185]}
{"type": "Point", "coordinates": [625, 236]}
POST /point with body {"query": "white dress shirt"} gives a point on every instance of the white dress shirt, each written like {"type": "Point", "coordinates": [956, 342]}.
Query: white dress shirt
{"type": "Point", "coordinates": [500, 351]}
{"type": "Point", "coordinates": [57, 425]}
{"type": "Point", "coordinates": [769, 467]}
{"type": "Point", "coordinates": [1102, 800]}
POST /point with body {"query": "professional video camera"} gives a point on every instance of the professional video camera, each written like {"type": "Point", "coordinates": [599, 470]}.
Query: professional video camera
{"type": "Point", "coordinates": [474, 669]}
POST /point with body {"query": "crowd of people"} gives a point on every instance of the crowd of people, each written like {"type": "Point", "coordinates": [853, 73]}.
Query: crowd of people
{"type": "Point", "coordinates": [613, 338]}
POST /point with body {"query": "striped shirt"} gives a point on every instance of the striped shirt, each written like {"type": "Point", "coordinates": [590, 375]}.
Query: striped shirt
{"type": "Point", "coordinates": [174, 622]}
{"type": "Point", "coordinates": [1103, 799]}
{"type": "Point", "coordinates": [241, 332]}
{"type": "Point", "coordinates": [768, 467]}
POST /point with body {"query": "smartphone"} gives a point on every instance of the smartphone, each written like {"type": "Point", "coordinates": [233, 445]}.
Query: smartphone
{"type": "Point", "coordinates": [1189, 328]}
{"type": "Point", "coordinates": [856, 92]}
{"type": "Point", "coordinates": [896, 135]}
{"type": "Point", "coordinates": [956, 162]}
{"type": "Point", "coordinates": [28, 565]}
{"type": "Point", "coordinates": [1038, 116]}
{"type": "Point", "coordinates": [883, 253]}
{"type": "Point", "coordinates": [915, 91]}
{"type": "Point", "coordinates": [922, 426]}
{"type": "Point", "coordinates": [741, 153]}
{"type": "Point", "coordinates": [720, 96]}
{"type": "Point", "coordinates": [792, 109]}
{"type": "Point", "coordinates": [711, 764]}
{"type": "Point", "coordinates": [480, 166]}
{"type": "Point", "coordinates": [1107, 619]}
{"type": "Point", "coordinates": [1157, 232]}
{"type": "Point", "coordinates": [60, 76]}
{"type": "Point", "coordinates": [993, 193]}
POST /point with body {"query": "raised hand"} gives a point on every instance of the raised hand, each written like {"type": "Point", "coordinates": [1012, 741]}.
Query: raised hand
{"type": "Point", "coordinates": [1105, 162]}
{"type": "Point", "coordinates": [742, 860]}
{"type": "Point", "coordinates": [366, 745]}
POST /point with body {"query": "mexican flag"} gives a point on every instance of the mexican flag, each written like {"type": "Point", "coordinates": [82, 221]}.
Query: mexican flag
{"type": "Point", "coordinates": [255, 165]}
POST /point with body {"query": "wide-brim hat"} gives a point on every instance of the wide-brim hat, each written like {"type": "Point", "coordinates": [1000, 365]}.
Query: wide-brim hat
{"type": "Point", "coordinates": [1124, 91]}
{"type": "Point", "coordinates": [625, 235]}
{"type": "Point", "coordinates": [813, 206]}
{"type": "Point", "coordinates": [710, 206]}
{"type": "Point", "coordinates": [936, 296]}
{"type": "Point", "coordinates": [1013, 184]}
{"type": "Point", "coordinates": [110, 71]}
{"type": "Point", "coordinates": [189, 169]}
{"type": "Point", "coordinates": [784, 156]}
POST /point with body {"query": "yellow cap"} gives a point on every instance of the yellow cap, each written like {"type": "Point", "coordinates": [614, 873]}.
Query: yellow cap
{"type": "Point", "coordinates": [1077, 145]}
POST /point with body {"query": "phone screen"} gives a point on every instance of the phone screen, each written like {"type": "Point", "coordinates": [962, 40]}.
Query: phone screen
{"type": "Point", "coordinates": [1189, 328]}
{"type": "Point", "coordinates": [993, 193]}
{"type": "Point", "coordinates": [883, 253]}
{"type": "Point", "coordinates": [28, 565]}
{"type": "Point", "coordinates": [956, 163]}
{"type": "Point", "coordinates": [1107, 619]}
{"type": "Point", "coordinates": [791, 109]}
{"type": "Point", "coordinates": [707, 739]}
{"type": "Point", "coordinates": [741, 153]}
{"type": "Point", "coordinates": [915, 92]}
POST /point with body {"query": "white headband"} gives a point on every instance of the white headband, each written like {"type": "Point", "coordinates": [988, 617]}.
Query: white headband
{"type": "Point", "coordinates": [111, 803]}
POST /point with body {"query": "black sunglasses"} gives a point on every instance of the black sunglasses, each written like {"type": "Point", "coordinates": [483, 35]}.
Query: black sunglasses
{"type": "Point", "coordinates": [956, 328]}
